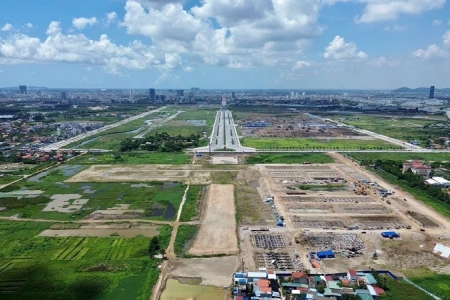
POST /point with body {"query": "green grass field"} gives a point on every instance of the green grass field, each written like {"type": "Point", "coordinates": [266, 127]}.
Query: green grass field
{"type": "Point", "coordinates": [370, 158]}
{"type": "Point", "coordinates": [185, 236]}
{"type": "Point", "coordinates": [204, 113]}
{"type": "Point", "coordinates": [399, 289]}
{"type": "Point", "coordinates": [438, 284]}
{"type": "Point", "coordinates": [33, 267]}
{"type": "Point", "coordinates": [289, 158]}
{"type": "Point", "coordinates": [190, 205]}
{"type": "Point", "coordinates": [315, 144]}
{"type": "Point", "coordinates": [401, 128]}
{"type": "Point", "coordinates": [132, 158]}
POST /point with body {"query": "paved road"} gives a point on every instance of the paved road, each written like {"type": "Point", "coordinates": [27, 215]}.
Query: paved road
{"type": "Point", "coordinates": [61, 144]}
{"type": "Point", "coordinates": [224, 135]}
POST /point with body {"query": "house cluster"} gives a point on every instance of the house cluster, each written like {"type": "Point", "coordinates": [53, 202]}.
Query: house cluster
{"type": "Point", "coordinates": [267, 285]}
{"type": "Point", "coordinates": [43, 156]}
{"type": "Point", "coordinates": [417, 167]}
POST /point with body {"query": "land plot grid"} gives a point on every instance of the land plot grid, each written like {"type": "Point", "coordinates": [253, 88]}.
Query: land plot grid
{"type": "Point", "coordinates": [374, 210]}
{"type": "Point", "coordinates": [274, 260]}
{"type": "Point", "coordinates": [353, 174]}
{"type": "Point", "coordinates": [335, 241]}
{"type": "Point", "coordinates": [302, 199]}
{"type": "Point", "coordinates": [385, 222]}
{"type": "Point", "coordinates": [267, 241]}
{"type": "Point", "coordinates": [350, 199]}
{"type": "Point", "coordinates": [298, 167]}
{"type": "Point", "coordinates": [315, 223]}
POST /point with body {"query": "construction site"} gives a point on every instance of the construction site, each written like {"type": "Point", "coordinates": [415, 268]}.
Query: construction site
{"type": "Point", "coordinates": [297, 125]}
{"type": "Point", "coordinates": [330, 217]}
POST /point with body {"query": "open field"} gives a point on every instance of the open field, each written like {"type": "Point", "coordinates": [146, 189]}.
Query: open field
{"type": "Point", "coordinates": [215, 271]}
{"type": "Point", "coordinates": [34, 267]}
{"type": "Point", "coordinates": [177, 290]}
{"type": "Point", "coordinates": [370, 158]}
{"type": "Point", "coordinates": [195, 174]}
{"type": "Point", "coordinates": [185, 237]}
{"type": "Point", "coordinates": [291, 158]}
{"type": "Point", "coordinates": [407, 129]}
{"type": "Point", "coordinates": [132, 158]}
{"type": "Point", "coordinates": [205, 113]}
{"type": "Point", "coordinates": [217, 234]}
{"type": "Point", "coordinates": [303, 143]}
{"type": "Point", "coordinates": [194, 198]}
{"type": "Point", "coordinates": [48, 196]}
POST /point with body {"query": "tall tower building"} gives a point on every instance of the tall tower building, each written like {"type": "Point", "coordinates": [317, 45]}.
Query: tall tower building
{"type": "Point", "coordinates": [152, 94]}
{"type": "Point", "coordinates": [180, 93]}
{"type": "Point", "coordinates": [431, 92]}
{"type": "Point", "coordinates": [64, 95]}
{"type": "Point", "coordinates": [22, 89]}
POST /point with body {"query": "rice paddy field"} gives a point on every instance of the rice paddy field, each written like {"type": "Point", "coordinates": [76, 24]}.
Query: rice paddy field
{"type": "Point", "coordinates": [33, 267]}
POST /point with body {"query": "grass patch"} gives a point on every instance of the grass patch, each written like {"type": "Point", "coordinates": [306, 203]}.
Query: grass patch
{"type": "Point", "coordinates": [316, 144]}
{"type": "Point", "coordinates": [133, 158]}
{"type": "Point", "coordinates": [287, 158]}
{"type": "Point", "coordinates": [406, 129]}
{"type": "Point", "coordinates": [207, 113]}
{"type": "Point", "coordinates": [370, 158]}
{"type": "Point", "coordinates": [35, 267]}
{"type": "Point", "coordinates": [399, 289]}
{"type": "Point", "coordinates": [438, 284]}
{"type": "Point", "coordinates": [7, 178]}
{"type": "Point", "coordinates": [225, 177]}
{"type": "Point", "coordinates": [190, 205]}
{"type": "Point", "coordinates": [185, 236]}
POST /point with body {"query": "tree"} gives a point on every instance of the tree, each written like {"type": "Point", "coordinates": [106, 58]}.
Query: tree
{"type": "Point", "coordinates": [154, 246]}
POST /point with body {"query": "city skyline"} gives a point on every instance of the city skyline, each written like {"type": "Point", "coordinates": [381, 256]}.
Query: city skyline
{"type": "Point", "coordinates": [328, 44]}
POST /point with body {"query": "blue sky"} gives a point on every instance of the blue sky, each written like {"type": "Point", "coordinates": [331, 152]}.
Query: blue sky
{"type": "Point", "coordinates": [293, 44]}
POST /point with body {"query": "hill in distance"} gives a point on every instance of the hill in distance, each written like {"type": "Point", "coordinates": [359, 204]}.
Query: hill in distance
{"type": "Point", "coordinates": [419, 90]}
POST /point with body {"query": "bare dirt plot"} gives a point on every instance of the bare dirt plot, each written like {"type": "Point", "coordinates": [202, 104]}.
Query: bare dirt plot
{"type": "Point", "coordinates": [423, 219]}
{"type": "Point", "coordinates": [225, 160]}
{"type": "Point", "coordinates": [143, 173]}
{"type": "Point", "coordinates": [215, 271]}
{"type": "Point", "coordinates": [217, 234]}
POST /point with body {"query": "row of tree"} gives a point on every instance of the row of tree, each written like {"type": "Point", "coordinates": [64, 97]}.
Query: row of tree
{"type": "Point", "coordinates": [412, 180]}
{"type": "Point", "coordinates": [162, 142]}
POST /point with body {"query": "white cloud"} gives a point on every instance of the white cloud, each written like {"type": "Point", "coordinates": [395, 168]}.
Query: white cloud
{"type": "Point", "coordinates": [29, 25]}
{"type": "Point", "coordinates": [395, 28]}
{"type": "Point", "coordinates": [57, 47]}
{"type": "Point", "coordinates": [110, 18]}
{"type": "Point", "coordinates": [338, 49]}
{"type": "Point", "coordinates": [434, 51]}
{"type": "Point", "coordinates": [81, 23]}
{"type": "Point", "coordinates": [437, 22]}
{"type": "Point", "coordinates": [382, 10]}
{"type": "Point", "coordinates": [301, 64]}
{"type": "Point", "coordinates": [383, 61]}
{"type": "Point", "coordinates": [249, 33]}
{"type": "Point", "coordinates": [188, 69]}
{"type": "Point", "coordinates": [6, 27]}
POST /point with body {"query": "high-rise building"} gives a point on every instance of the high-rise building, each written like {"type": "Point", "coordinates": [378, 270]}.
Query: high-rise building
{"type": "Point", "coordinates": [152, 94]}
{"type": "Point", "coordinates": [180, 93]}
{"type": "Point", "coordinates": [233, 96]}
{"type": "Point", "coordinates": [22, 89]}
{"type": "Point", "coordinates": [431, 92]}
{"type": "Point", "coordinates": [64, 95]}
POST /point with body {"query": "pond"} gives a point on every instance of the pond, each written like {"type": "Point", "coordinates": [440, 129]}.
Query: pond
{"type": "Point", "coordinates": [168, 213]}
